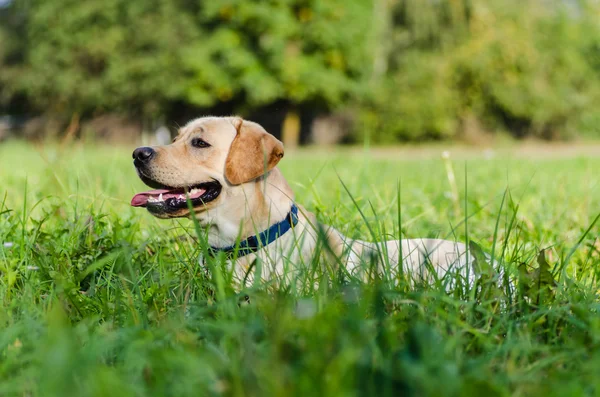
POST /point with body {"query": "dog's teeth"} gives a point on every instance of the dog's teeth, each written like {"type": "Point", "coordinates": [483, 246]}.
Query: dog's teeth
{"type": "Point", "coordinates": [160, 197]}
{"type": "Point", "coordinates": [181, 197]}
{"type": "Point", "coordinates": [193, 191]}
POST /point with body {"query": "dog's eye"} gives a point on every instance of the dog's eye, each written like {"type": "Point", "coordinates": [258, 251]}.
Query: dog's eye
{"type": "Point", "coordinates": [199, 143]}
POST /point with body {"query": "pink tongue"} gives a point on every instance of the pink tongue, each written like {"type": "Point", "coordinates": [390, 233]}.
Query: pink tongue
{"type": "Point", "coordinates": [141, 199]}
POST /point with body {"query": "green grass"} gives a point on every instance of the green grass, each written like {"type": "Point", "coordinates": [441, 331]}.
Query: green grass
{"type": "Point", "coordinates": [98, 298]}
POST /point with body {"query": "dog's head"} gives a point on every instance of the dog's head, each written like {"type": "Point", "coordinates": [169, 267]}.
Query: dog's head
{"type": "Point", "coordinates": [208, 158]}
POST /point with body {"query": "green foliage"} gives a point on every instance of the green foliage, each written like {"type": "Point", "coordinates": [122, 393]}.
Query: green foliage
{"type": "Point", "coordinates": [138, 57]}
{"type": "Point", "coordinates": [13, 23]}
{"type": "Point", "coordinates": [415, 104]}
{"type": "Point", "coordinates": [296, 50]}
{"type": "Point", "coordinates": [97, 56]}
{"type": "Point", "coordinates": [519, 66]}
{"type": "Point", "coordinates": [539, 84]}
{"type": "Point", "coordinates": [537, 285]}
{"type": "Point", "coordinates": [98, 298]}
{"type": "Point", "coordinates": [406, 70]}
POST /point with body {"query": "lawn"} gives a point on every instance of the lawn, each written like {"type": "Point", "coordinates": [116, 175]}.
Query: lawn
{"type": "Point", "coordinates": [99, 298]}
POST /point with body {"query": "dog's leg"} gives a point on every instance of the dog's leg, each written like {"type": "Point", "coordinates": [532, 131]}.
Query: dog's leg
{"type": "Point", "coordinates": [417, 259]}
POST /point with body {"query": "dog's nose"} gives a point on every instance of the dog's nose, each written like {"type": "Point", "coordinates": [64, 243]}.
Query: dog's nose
{"type": "Point", "coordinates": [143, 154]}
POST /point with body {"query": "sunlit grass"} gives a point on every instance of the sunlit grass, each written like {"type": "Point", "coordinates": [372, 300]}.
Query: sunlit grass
{"type": "Point", "coordinates": [99, 298]}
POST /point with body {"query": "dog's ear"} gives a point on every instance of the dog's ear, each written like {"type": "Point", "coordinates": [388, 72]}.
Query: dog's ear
{"type": "Point", "coordinates": [253, 152]}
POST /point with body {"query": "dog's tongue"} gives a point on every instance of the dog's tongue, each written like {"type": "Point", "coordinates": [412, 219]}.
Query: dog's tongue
{"type": "Point", "coordinates": [141, 199]}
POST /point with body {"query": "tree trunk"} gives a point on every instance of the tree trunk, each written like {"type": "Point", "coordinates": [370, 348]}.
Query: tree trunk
{"type": "Point", "coordinates": [290, 130]}
{"type": "Point", "coordinates": [381, 33]}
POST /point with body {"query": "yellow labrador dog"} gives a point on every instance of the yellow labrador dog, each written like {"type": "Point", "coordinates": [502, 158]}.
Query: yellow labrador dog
{"type": "Point", "coordinates": [226, 168]}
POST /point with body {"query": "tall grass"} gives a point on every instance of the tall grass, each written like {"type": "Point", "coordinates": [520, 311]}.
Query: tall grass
{"type": "Point", "coordinates": [102, 299]}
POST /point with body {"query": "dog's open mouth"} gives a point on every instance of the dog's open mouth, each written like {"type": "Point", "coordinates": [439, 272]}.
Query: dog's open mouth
{"type": "Point", "coordinates": [167, 199]}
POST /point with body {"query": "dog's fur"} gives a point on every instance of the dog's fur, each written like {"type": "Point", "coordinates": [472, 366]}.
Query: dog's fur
{"type": "Point", "coordinates": [242, 158]}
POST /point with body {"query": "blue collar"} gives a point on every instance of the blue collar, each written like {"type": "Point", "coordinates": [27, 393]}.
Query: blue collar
{"type": "Point", "coordinates": [254, 243]}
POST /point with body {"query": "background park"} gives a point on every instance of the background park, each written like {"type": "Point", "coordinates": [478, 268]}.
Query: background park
{"type": "Point", "coordinates": [476, 119]}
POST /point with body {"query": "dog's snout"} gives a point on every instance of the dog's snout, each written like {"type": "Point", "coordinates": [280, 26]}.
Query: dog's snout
{"type": "Point", "coordinates": [143, 154]}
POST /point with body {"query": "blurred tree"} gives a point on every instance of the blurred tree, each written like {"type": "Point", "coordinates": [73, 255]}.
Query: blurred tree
{"type": "Point", "coordinates": [91, 56]}
{"type": "Point", "coordinates": [408, 69]}
{"type": "Point", "coordinates": [412, 99]}
{"type": "Point", "coordinates": [529, 74]}
{"type": "Point", "coordinates": [517, 66]}
{"type": "Point", "coordinates": [307, 52]}
{"type": "Point", "coordinates": [13, 23]}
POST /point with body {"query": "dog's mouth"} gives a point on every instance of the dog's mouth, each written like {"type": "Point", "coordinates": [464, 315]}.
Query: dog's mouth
{"type": "Point", "coordinates": [167, 199]}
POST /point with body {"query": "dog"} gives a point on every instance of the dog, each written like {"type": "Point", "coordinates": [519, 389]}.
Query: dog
{"type": "Point", "coordinates": [223, 171]}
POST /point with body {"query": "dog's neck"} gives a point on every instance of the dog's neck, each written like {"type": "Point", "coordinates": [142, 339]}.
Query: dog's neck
{"type": "Point", "coordinates": [249, 210]}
